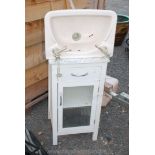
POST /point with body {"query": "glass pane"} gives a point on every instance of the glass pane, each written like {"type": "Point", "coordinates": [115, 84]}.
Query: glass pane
{"type": "Point", "coordinates": [77, 96]}
{"type": "Point", "coordinates": [77, 103]}
{"type": "Point", "coordinates": [73, 117]}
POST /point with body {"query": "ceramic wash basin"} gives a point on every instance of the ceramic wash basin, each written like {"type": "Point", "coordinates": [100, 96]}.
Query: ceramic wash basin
{"type": "Point", "coordinates": [80, 33]}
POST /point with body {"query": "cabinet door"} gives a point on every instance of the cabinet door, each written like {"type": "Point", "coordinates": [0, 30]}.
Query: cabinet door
{"type": "Point", "coordinates": [76, 107]}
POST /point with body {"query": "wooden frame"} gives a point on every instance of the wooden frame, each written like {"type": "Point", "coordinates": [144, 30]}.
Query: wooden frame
{"type": "Point", "coordinates": [37, 11]}
{"type": "Point", "coordinates": [34, 32]}
{"type": "Point", "coordinates": [34, 55]}
{"type": "Point", "coordinates": [58, 4]}
{"type": "Point", "coordinates": [99, 102]}
{"type": "Point", "coordinates": [83, 4]}
{"type": "Point", "coordinates": [36, 100]}
{"type": "Point", "coordinates": [56, 90]}
{"type": "Point", "coordinates": [53, 91]}
{"type": "Point", "coordinates": [35, 74]}
{"type": "Point", "coordinates": [101, 4]}
{"type": "Point", "coordinates": [36, 90]}
{"type": "Point", "coordinates": [60, 107]}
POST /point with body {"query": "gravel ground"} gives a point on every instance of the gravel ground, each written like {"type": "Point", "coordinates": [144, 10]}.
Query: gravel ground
{"type": "Point", "coordinates": [113, 130]}
{"type": "Point", "coordinates": [119, 67]}
{"type": "Point", "coordinates": [119, 6]}
{"type": "Point", "coordinates": [112, 137]}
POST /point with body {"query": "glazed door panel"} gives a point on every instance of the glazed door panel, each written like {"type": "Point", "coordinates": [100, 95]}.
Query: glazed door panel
{"type": "Point", "coordinates": [76, 105]}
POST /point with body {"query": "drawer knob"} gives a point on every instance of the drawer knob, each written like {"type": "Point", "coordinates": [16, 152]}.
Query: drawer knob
{"type": "Point", "coordinates": [72, 74]}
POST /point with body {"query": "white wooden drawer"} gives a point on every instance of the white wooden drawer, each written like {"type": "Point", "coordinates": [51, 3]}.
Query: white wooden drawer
{"type": "Point", "coordinates": [79, 73]}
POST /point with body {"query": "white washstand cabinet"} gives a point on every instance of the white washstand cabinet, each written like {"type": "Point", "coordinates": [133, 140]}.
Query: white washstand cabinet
{"type": "Point", "coordinates": [78, 45]}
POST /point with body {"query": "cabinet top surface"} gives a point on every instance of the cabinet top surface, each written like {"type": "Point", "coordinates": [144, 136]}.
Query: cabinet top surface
{"type": "Point", "coordinates": [79, 61]}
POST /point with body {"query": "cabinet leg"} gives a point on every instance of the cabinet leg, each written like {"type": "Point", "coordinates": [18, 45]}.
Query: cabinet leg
{"type": "Point", "coordinates": [95, 134]}
{"type": "Point", "coordinates": [55, 134]}
{"type": "Point", "coordinates": [49, 116]}
{"type": "Point", "coordinates": [49, 91]}
{"type": "Point", "coordinates": [97, 119]}
{"type": "Point", "coordinates": [49, 107]}
{"type": "Point", "coordinates": [55, 139]}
